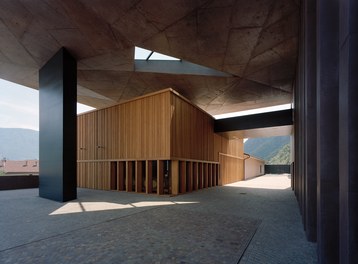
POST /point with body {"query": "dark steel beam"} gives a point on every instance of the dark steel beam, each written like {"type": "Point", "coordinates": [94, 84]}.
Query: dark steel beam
{"type": "Point", "coordinates": [264, 120]}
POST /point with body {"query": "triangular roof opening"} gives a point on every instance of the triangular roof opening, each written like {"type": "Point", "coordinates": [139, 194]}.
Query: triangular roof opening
{"type": "Point", "coordinates": [144, 54]}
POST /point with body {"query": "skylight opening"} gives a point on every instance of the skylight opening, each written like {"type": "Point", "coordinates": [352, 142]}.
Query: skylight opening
{"type": "Point", "coordinates": [141, 54]}
{"type": "Point", "coordinates": [255, 111]}
{"type": "Point", "coordinates": [159, 56]}
{"type": "Point", "coordinates": [144, 54]}
{"type": "Point", "coordinates": [82, 108]}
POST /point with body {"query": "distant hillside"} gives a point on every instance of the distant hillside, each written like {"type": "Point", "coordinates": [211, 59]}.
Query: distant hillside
{"type": "Point", "coordinates": [282, 156]}
{"type": "Point", "coordinates": [19, 144]}
{"type": "Point", "coordinates": [271, 149]}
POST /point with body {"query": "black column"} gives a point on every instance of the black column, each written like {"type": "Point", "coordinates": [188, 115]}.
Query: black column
{"type": "Point", "coordinates": [309, 12]}
{"type": "Point", "coordinates": [327, 131]}
{"type": "Point", "coordinates": [58, 97]}
{"type": "Point", "coordinates": [348, 133]}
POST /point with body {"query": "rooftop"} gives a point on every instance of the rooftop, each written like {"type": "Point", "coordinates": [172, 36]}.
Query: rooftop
{"type": "Point", "coordinates": [19, 166]}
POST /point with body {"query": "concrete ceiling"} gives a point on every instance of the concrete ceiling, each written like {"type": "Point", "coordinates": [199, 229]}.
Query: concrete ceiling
{"type": "Point", "coordinates": [254, 42]}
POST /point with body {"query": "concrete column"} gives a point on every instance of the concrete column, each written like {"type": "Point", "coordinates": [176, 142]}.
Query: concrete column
{"type": "Point", "coordinates": [327, 131]}
{"type": "Point", "coordinates": [309, 11]}
{"type": "Point", "coordinates": [348, 131]}
{"type": "Point", "coordinates": [58, 125]}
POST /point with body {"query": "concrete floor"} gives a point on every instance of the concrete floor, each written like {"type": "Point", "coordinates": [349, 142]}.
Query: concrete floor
{"type": "Point", "coordinates": [254, 221]}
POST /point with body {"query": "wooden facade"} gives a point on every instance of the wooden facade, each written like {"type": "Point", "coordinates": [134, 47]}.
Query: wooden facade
{"type": "Point", "coordinates": [159, 143]}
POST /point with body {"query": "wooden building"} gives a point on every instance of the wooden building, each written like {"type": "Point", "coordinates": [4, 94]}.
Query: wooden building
{"type": "Point", "coordinates": [158, 143]}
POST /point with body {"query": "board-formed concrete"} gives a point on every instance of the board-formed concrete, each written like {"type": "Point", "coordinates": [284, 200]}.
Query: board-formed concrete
{"type": "Point", "coordinates": [254, 221]}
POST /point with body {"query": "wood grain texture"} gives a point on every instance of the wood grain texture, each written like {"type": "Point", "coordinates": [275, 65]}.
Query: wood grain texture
{"type": "Point", "coordinates": [128, 137]}
{"type": "Point", "coordinates": [174, 172]}
{"type": "Point", "coordinates": [192, 133]}
{"type": "Point", "coordinates": [231, 169]}
{"type": "Point", "coordinates": [160, 177]}
{"type": "Point", "coordinates": [137, 129]}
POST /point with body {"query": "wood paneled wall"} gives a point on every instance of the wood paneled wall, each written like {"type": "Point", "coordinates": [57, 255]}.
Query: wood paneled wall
{"type": "Point", "coordinates": [138, 129]}
{"type": "Point", "coordinates": [160, 126]}
{"type": "Point", "coordinates": [231, 169]}
{"type": "Point", "coordinates": [192, 131]}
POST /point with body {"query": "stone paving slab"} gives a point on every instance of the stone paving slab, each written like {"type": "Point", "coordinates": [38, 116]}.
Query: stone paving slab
{"type": "Point", "coordinates": [208, 226]}
{"type": "Point", "coordinates": [161, 235]}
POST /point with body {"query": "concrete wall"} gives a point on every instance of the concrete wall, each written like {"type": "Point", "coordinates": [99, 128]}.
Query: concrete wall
{"type": "Point", "coordinates": [254, 167]}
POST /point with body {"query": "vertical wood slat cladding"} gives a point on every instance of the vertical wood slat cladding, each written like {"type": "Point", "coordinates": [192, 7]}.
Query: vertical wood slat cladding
{"type": "Point", "coordinates": [192, 131]}
{"type": "Point", "coordinates": [95, 175]}
{"type": "Point", "coordinates": [133, 130]}
{"type": "Point", "coordinates": [231, 169]}
{"type": "Point", "coordinates": [87, 136]}
{"type": "Point", "coordinates": [154, 127]}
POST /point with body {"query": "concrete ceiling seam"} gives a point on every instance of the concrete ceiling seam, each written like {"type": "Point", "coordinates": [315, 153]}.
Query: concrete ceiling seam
{"type": "Point", "coordinates": [252, 43]}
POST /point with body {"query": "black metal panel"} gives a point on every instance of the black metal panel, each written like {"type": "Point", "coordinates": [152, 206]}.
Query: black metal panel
{"type": "Point", "coordinates": [310, 121]}
{"type": "Point", "coordinates": [277, 169]}
{"type": "Point", "coordinates": [271, 119]}
{"type": "Point", "coordinates": [328, 131]}
{"type": "Point", "coordinates": [348, 132]}
{"type": "Point", "coordinates": [58, 97]}
{"type": "Point", "coordinates": [19, 182]}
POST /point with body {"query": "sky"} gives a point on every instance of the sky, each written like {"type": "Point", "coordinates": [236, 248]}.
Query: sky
{"type": "Point", "coordinates": [19, 106]}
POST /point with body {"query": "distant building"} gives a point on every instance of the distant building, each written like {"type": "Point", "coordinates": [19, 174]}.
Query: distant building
{"type": "Point", "coordinates": [19, 167]}
{"type": "Point", "coordinates": [253, 167]}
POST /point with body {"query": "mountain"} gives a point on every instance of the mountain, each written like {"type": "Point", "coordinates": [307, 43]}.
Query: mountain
{"type": "Point", "coordinates": [282, 156]}
{"type": "Point", "coordinates": [19, 144]}
{"type": "Point", "coordinates": [269, 149]}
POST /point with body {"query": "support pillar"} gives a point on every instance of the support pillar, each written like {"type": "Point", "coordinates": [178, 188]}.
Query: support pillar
{"type": "Point", "coordinates": [311, 120]}
{"type": "Point", "coordinates": [327, 131]}
{"type": "Point", "coordinates": [348, 132]}
{"type": "Point", "coordinates": [58, 97]}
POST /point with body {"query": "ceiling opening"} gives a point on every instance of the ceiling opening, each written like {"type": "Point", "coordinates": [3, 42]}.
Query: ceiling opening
{"type": "Point", "coordinates": [144, 54]}
{"type": "Point", "coordinates": [255, 111]}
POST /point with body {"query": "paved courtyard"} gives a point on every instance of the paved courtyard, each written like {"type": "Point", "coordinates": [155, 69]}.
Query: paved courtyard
{"type": "Point", "coordinates": [254, 221]}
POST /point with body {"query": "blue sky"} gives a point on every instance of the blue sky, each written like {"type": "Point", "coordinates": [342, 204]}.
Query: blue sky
{"type": "Point", "coordinates": [19, 106]}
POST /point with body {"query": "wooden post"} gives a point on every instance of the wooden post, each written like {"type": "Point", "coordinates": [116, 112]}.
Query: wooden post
{"type": "Point", "coordinates": [195, 176]}
{"type": "Point", "coordinates": [129, 173]}
{"type": "Point", "coordinates": [138, 176]}
{"type": "Point", "coordinates": [200, 175]}
{"type": "Point", "coordinates": [182, 177]}
{"type": "Point", "coordinates": [189, 176]}
{"type": "Point", "coordinates": [160, 177]}
{"type": "Point", "coordinates": [205, 175]}
{"type": "Point", "coordinates": [149, 176]}
{"type": "Point", "coordinates": [175, 176]}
